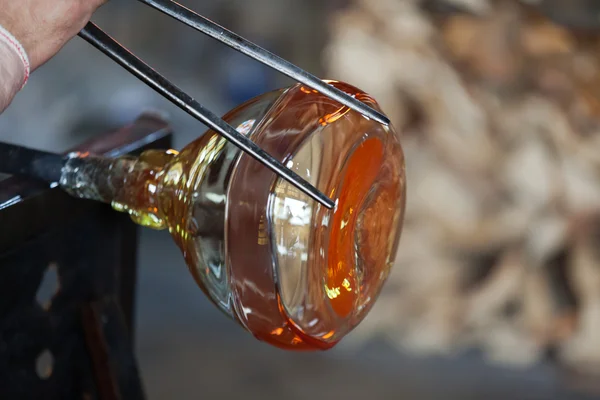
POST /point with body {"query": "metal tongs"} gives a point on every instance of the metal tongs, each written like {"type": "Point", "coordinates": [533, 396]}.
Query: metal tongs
{"type": "Point", "coordinates": [110, 47]}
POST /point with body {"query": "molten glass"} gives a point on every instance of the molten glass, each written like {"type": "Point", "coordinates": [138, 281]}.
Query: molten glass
{"type": "Point", "coordinates": [293, 273]}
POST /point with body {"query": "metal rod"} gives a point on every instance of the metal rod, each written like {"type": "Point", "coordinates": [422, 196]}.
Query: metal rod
{"type": "Point", "coordinates": [236, 42]}
{"type": "Point", "coordinates": [19, 160]}
{"type": "Point", "coordinates": [103, 42]}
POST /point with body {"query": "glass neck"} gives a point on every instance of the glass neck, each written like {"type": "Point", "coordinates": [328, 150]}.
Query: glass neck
{"type": "Point", "coordinates": [128, 183]}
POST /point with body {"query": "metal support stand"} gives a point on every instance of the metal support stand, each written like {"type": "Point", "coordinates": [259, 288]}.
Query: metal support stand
{"type": "Point", "coordinates": [67, 285]}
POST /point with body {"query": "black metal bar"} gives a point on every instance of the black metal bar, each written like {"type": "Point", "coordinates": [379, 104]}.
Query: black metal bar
{"type": "Point", "coordinates": [106, 382]}
{"type": "Point", "coordinates": [103, 42]}
{"type": "Point", "coordinates": [113, 360]}
{"type": "Point", "coordinates": [238, 43]}
{"type": "Point", "coordinates": [18, 160]}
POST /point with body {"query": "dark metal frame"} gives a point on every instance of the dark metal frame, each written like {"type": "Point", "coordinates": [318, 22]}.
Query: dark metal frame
{"type": "Point", "coordinates": [88, 325]}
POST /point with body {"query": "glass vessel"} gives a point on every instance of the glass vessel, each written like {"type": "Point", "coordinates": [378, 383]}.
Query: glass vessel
{"type": "Point", "coordinates": [290, 271]}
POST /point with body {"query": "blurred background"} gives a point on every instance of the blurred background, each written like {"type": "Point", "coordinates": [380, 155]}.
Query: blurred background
{"type": "Point", "coordinates": [496, 290]}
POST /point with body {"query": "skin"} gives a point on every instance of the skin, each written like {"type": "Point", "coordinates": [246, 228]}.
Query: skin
{"type": "Point", "coordinates": [43, 27]}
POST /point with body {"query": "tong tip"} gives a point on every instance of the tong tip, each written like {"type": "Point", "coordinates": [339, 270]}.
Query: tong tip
{"type": "Point", "coordinates": [376, 115]}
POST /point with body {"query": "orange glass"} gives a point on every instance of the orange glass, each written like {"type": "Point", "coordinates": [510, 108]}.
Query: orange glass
{"type": "Point", "coordinates": [290, 271]}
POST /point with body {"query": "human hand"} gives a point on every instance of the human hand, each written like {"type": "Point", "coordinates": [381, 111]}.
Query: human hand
{"type": "Point", "coordinates": [43, 27]}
